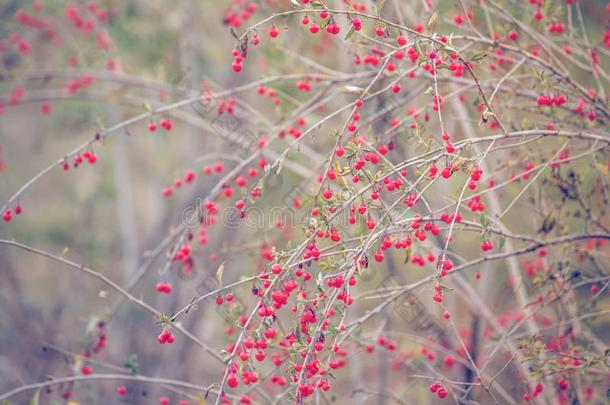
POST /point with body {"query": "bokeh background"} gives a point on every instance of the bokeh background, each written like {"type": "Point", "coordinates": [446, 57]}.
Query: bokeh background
{"type": "Point", "coordinates": [111, 216]}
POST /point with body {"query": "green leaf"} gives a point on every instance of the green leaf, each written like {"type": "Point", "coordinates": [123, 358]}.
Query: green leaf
{"type": "Point", "coordinates": [36, 398]}
{"type": "Point", "coordinates": [131, 364]}
{"type": "Point", "coordinates": [483, 220]}
{"type": "Point", "coordinates": [479, 56]}
{"type": "Point", "coordinates": [501, 243]}
{"type": "Point", "coordinates": [350, 32]}
{"type": "Point", "coordinates": [380, 6]}
{"type": "Point", "coordinates": [408, 255]}
{"type": "Point", "coordinates": [548, 224]}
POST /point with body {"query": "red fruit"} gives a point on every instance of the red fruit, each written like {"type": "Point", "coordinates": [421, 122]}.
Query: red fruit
{"type": "Point", "coordinates": [273, 32]}
{"type": "Point", "coordinates": [276, 269]}
{"type": "Point", "coordinates": [190, 176]}
{"type": "Point", "coordinates": [7, 216]}
{"type": "Point", "coordinates": [164, 401]}
{"type": "Point", "coordinates": [513, 35]}
{"type": "Point", "coordinates": [379, 256]}
{"type": "Point", "coordinates": [333, 29]}
{"type": "Point", "coordinates": [327, 194]}
{"type": "Point", "coordinates": [402, 40]}
{"type": "Point", "coordinates": [164, 288]}
{"type": "Point", "coordinates": [446, 173]}
{"type": "Point", "coordinates": [314, 28]}
{"type": "Point", "coordinates": [152, 127]}
{"type": "Point", "coordinates": [219, 300]}
{"type": "Point", "coordinates": [166, 124]}
{"type": "Point", "coordinates": [87, 370]}
{"type": "Point", "coordinates": [380, 31]}
{"type": "Point", "coordinates": [121, 391]}
{"type": "Point", "coordinates": [563, 384]}
{"type": "Point", "coordinates": [232, 380]}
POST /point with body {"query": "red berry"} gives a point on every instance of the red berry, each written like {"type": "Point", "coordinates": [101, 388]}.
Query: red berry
{"type": "Point", "coordinates": [166, 124]}
{"type": "Point", "coordinates": [232, 380]}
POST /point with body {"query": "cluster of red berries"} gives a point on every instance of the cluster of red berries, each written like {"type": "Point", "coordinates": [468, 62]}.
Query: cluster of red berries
{"type": "Point", "coordinates": [164, 123]}
{"type": "Point", "coordinates": [557, 28]}
{"type": "Point", "coordinates": [7, 215]}
{"type": "Point", "coordinates": [164, 288]}
{"type": "Point", "coordinates": [16, 95]}
{"type": "Point", "coordinates": [239, 14]}
{"type": "Point", "coordinates": [80, 83]}
{"type": "Point", "coordinates": [439, 390]}
{"type": "Point", "coordinates": [580, 110]}
{"type": "Point", "coordinates": [166, 337]}
{"type": "Point", "coordinates": [487, 245]}
{"type": "Point", "coordinates": [556, 100]}
{"type": "Point", "coordinates": [84, 24]}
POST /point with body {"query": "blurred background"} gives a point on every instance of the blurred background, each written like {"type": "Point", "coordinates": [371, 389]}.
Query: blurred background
{"type": "Point", "coordinates": [113, 218]}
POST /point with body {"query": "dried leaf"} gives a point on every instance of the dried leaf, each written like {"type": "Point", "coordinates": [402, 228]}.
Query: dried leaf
{"type": "Point", "coordinates": [432, 21]}
{"type": "Point", "coordinates": [219, 273]}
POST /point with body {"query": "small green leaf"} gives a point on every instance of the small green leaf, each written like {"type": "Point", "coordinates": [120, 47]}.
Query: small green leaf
{"type": "Point", "coordinates": [36, 398]}
{"type": "Point", "coordinates": [131, 364]}
{"type": "Point", "coordinates": [501, 243]}
{"type": "Point", "coordinates": [350, 32]}
{"type": "Point", "coordinates": [548, 224]}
